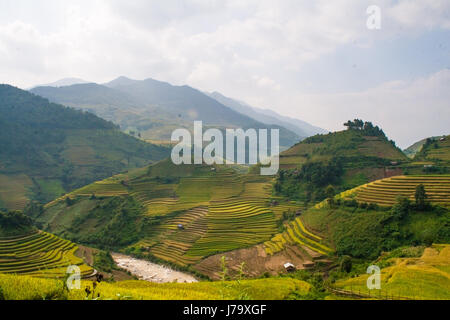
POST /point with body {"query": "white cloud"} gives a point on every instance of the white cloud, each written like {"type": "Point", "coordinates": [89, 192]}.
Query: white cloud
{"type": "Point", "coordinates": [253, 50]}
{"type": "Point", "coordinates": [407, 110]}
{"type": "Point", "coordinates": [420, 14]}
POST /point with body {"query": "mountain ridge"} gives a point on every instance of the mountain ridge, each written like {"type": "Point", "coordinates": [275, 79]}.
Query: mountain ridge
{"type": "Point", "coordinates": [302, 128]}
{"type": "Point", "coordinates": [154, 108]}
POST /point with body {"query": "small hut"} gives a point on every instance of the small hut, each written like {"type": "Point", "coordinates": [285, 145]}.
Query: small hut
{"type": "Point", "coordinates": [289, 267]}
{"type": "Point", "coordinates": [180, 227]}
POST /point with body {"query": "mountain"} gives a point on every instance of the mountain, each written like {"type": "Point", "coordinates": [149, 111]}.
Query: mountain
{"type": "Point", "coordinates": [343, 159]}
{"type": "Point", "coordinates": [413, 149]}
{"type": "Point", "coordinates": [47, 149]}
{"type": "Point", "coordinates": [63, 82]}
{"type": "Point", "coordinates": [154, 108]}
{"type": "Point", "coordinates": [435, 149]}
{"type": "Point", "coordinates": [301, 128]}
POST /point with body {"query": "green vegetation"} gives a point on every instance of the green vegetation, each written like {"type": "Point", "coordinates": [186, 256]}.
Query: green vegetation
{"type": "Point", "coordinates": [103, 261]}
{"type": "Point", "coordinates": [363, 232]}
{"type": "Point", "coordinates": [309, 181]}
{"type": "Point", "coordinates": [344, 160]}
{"type": "Point", "coordinates": [409, 273]}
{"type": "Point", "coordinates": [65, 149]}
{"type": "Point", "coordinates": [14, 223]}
{"type": "Point", "coordinates": [435, 149]}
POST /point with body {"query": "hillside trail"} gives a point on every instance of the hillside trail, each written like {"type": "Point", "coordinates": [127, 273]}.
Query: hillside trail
{"type": "Point", "coordinates": [149, 271]}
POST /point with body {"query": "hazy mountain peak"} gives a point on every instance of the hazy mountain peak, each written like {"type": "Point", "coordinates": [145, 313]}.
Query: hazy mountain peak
{"type": "Point", "coordinates": [63, 82]}
{"type": "Point", "coordinates": [120, 81]}
{"type": "Point", "coordinates": [300, 127]}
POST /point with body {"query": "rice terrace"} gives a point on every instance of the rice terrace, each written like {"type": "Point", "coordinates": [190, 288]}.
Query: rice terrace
{"type": "Point", "coordinates": [256, 151]}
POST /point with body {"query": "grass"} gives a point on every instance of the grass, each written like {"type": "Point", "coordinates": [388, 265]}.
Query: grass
{"type": "Point", "coordinates": [29, 288]}
{"type": "Point", "coordinates": [424, 277]}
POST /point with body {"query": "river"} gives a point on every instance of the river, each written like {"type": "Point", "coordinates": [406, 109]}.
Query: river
{"type": "Point", "coordinates": [149, 271]}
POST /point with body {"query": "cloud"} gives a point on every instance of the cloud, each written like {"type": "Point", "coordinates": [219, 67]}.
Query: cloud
{"type": "Point", "coordinates": [408, 111]}
{"type": "Point", "coordinates": [421, 14]}
{"type": "Point", "coordinates": [254, 50]}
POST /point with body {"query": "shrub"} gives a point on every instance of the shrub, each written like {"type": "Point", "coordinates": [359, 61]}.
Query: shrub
{"type": "Point", "coordinates": [345, 264]}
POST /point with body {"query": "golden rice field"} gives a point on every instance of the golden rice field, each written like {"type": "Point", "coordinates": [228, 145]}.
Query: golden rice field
{"type": "Point", "coordinates": [427, 277]}
{"type": "Point", "coordinates": [296, 233]}
{"type": "Point", "coordinates": [230, 217]}
{"type": "Point", "coordinates": [218, 210]}
{"type": "Point", "coordinates": [28, 288]}
{"type": "Point", "coordinates": [385, 192]}
{"type": "Point", "coordinates": [39, 254]}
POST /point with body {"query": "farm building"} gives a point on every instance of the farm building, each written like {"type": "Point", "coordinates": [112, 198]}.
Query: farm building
{"type": "Point", "coordinates": [289, 267]}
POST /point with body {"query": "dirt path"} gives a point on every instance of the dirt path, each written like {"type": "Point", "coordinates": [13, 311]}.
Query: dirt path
{"type": "Point", "coordinates": [149, 271]}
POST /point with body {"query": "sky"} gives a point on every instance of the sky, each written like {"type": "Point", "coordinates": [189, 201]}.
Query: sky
{"type": "Point", "coordinates": [313, 60]}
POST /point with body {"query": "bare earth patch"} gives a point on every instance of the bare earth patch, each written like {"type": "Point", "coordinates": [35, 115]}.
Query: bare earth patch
{"type": "Point", "coordinates": [257, 262]}
{"type": "Point", "coordinates": [146, 270]}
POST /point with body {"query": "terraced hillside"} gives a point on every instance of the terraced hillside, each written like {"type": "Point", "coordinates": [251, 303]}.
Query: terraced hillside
{"type": "Point", "coordinates": [435, 149]}
{"type": "Point", "coordinates": [385, 192]}
{"type": "Point", "coordinates": [39, 254]}
{"type": "Point", "coordinates": [296, 233]}
{"type": "Point", "coordinates": [180, 215]}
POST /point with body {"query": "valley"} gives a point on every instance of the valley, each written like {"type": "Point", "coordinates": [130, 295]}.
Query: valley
{"type": "Point", "coordinates": [117, 206]}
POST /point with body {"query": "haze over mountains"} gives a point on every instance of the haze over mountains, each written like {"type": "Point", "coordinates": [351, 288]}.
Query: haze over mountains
{"type": "Point", "coordinates": [302, 128]}
{"type": "Point", "coordinates": [154, 108]}
{"type": "Point", "coordinates": [63, 82]}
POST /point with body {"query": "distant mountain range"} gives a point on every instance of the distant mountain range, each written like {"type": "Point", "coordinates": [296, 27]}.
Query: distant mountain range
{"type": "Point", "coordinates": [301, 128]}
{"type": "Point", "coordinates": [154, 109]}
{"type": "Point", "coordinates": [63, 82]}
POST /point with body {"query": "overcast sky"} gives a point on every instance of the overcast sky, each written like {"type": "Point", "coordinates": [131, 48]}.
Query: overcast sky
{"type": "Point", "coordinates": [313, 60]}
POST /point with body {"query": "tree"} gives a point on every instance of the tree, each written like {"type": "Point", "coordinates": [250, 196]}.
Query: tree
{"type": "Point", "coordinates": [330, 192]}
{"type": "Point", "coordinates": [401, 207]}
{"type": "Point", "coordinates": [346, 264]}
{"type": "Point", "coordinates": [421, 197]}
{"type": "Point", "coordinates": [69, 201]}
